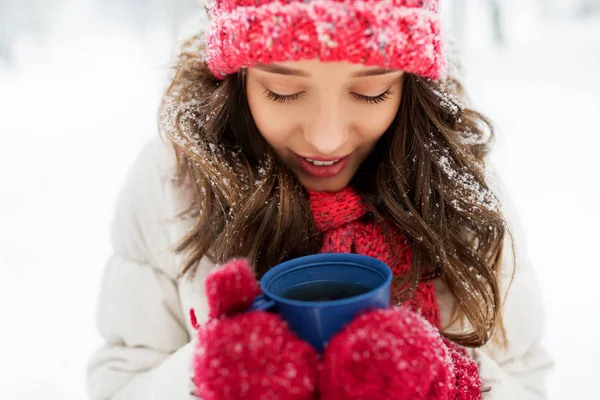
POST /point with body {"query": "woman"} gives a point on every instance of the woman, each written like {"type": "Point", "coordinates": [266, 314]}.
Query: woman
{"type": "Point", "coordinates": [282, 104]}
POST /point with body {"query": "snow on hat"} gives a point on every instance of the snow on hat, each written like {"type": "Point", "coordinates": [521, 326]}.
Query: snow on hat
{"type": "Point", "coordinates": [399, 34]}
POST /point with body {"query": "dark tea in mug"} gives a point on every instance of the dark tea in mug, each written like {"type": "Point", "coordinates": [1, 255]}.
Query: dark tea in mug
{"type": "Point", "coordinates": [319, 294]}
{"type": "Point", "coordinates": [325, 291]}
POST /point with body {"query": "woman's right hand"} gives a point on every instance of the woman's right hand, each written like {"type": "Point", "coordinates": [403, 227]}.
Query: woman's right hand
{"type": "Point", "coordinates": [248, 355]}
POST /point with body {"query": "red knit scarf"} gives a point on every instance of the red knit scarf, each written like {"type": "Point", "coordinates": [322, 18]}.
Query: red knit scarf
{"type": "Point", "coordinates": [339, 216]}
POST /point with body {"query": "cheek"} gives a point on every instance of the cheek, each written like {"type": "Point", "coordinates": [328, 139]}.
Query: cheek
{"type": "Point", "coordinates": [373, 121]}
{"type": "Point", "coordinates": [273, 125]}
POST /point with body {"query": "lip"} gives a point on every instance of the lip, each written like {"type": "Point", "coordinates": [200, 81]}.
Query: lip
{"type": "Point", "coordinates": [323, 171]}
{"type": "Point", "coordinates": [317, 158]}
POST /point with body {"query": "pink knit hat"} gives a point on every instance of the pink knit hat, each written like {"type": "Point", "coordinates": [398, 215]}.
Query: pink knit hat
{"type": "Point", "coordinates": [399, 34]}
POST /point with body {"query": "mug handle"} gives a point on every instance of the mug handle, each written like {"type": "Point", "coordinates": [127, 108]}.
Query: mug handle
{"type": "Point", "coordinates": [262, 303]}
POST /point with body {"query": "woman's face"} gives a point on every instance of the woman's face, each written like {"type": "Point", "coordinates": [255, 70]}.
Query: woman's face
{"type": "Point", "coordinates": [323, 112]}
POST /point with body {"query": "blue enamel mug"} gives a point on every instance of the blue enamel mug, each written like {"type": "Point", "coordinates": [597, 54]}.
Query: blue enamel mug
{"type": "Point", "coordinates": [318, 295]}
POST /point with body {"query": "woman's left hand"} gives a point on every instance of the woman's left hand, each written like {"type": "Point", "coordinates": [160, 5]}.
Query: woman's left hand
{"type": "Point", "coordinates": [396, 354]}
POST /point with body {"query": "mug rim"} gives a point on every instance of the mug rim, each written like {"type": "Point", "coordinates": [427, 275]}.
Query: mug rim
{"type": "Point", "coordinates": [326, 258]}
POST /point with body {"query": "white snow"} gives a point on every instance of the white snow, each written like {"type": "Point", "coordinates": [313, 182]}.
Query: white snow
{"type": "Point", "coordinates": [76, 110]}
{"type": "Point", "coordinates": [73, 115]}
{"type": "Point", "coordinates": [543, 94]}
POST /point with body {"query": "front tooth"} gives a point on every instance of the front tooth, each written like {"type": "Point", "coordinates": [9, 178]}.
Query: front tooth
{"type": "Point", "coordinates": [321, 163]}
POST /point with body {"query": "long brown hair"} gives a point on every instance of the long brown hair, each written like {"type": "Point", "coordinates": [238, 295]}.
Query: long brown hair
{"type": "Point", "coordinates": [424, 177]}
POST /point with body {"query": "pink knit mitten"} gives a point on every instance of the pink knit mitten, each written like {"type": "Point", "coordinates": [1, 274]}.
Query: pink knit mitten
{"type": "Point", "coordinates": [396, 354]}
{"type": "Point", "coordinates": [248, 355]}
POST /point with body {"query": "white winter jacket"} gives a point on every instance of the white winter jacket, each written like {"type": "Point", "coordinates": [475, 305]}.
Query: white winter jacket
{"type": "Point", "coordinates": [143, 306]}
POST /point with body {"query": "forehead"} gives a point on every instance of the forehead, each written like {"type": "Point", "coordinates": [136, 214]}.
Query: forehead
{"type": "Point", "coordinates": [313, 68]}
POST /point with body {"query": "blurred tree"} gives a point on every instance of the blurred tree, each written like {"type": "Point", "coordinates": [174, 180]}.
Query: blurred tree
{"type": "Point", "coordinates": [460, 21]}
{"type": "Point", "coordinates": [25, 20]}
{"type": "Point", "coordinates": [4, 30]}
{"type": "Point", "coordinates": [569, 8]}
{"type": "Point", "coordinates": [588, 8]}
{"type": "Point", "coordinates": [147, 15]}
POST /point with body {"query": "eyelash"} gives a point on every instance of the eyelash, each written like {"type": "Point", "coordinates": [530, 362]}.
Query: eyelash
{"type": "Point", "coordinates": [281, 98]}
{"type": "Point", "coordinates": [365, 99]}
{"type": "Point", "coordinates": [373, 100]}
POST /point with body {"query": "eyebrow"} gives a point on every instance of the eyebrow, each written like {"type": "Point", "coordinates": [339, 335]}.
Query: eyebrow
{"type": "Point", "coordinates": [281, 70]}
{"type": "Point", "coordinates": [374, 72]}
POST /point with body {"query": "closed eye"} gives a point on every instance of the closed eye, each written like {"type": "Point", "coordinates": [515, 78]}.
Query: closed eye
{"type": "Point", "coordinates": [280, 98]}
{"type": "Point", "coordinates": [373, 99]}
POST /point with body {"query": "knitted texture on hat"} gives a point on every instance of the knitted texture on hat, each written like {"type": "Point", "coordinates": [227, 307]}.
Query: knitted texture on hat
{"type": "Point", "coordinates": [339, 216]}
{"type": "Point", "coordinates": [398, 34]}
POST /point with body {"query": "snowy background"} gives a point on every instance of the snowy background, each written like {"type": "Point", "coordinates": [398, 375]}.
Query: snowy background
{"type": "Point", "coordinates": [80, 82]}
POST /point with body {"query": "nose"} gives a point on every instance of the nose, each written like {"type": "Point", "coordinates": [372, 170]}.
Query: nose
{"type": "Point", "coordinates": [327, 131]}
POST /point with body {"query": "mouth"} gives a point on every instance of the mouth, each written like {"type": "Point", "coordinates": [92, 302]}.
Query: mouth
{"type": "Point", "coordinates": [323, 167]}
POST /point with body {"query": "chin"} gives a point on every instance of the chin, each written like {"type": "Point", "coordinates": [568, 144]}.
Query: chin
{"type": "Point", "coordinates": [335, 184]}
